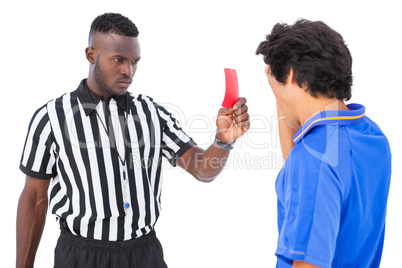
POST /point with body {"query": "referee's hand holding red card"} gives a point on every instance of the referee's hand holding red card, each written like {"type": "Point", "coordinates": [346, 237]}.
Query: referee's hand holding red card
{"type": "Point", "coordinates": [233, 123]}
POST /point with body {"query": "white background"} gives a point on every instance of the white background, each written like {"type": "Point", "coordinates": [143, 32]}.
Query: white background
{"type": "Point", "coordinates": [184, 47]}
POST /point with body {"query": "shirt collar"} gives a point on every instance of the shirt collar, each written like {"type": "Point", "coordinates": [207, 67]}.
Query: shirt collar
{"type": "Point", "coordinates": [90, 99]}
{"type": "Point", "coordinates": [354, 115]}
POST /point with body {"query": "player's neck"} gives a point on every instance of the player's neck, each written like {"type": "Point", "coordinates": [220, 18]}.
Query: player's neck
{"type": "Point", "coordinates": [314, 106]}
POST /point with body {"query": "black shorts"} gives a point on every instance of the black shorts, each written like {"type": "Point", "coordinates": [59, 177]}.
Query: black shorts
{"type": "Point", "coordinates": [78, 252]}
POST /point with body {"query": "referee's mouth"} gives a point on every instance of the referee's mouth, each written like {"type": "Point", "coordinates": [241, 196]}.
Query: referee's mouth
{"type": "Point", "coordinates": [125, 83]}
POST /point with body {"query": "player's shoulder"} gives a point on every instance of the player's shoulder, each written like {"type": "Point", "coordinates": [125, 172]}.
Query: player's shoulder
{"type": "Point", "coordinates": [323, 144]}
{"type": "Point", "coordinates": [319, 137]}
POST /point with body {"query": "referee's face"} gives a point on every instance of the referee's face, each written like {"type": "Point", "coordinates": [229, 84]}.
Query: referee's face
{"type": "Point", "coordinates": [115, 63]}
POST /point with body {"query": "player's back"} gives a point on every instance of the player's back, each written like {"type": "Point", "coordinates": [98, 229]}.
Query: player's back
{"type": "Point", "coordinates": [363, 212]}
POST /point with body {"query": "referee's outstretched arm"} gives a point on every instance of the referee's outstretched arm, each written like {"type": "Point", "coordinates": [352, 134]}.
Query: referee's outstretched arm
{"type": "Point", "coordinates": [231, 123]}
{"type": "Point", "coordinates": [31, 216]}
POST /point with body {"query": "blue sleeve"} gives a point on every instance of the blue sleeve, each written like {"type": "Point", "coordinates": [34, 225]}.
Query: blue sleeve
{"type": "Point", "coordinates": [311, 201]}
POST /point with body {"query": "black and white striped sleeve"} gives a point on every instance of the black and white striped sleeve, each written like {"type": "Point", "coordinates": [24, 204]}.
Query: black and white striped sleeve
{"type": "Point", "coordinates": [175, 142]}
{"type": "Point", "coordinates": [38, 159]}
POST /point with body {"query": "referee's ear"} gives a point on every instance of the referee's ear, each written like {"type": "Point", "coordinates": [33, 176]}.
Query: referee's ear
{"type": "Point", "coordinates": [90, 54]}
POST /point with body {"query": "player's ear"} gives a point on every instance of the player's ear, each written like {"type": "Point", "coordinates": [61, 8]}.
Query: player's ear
{"type": "Point", "coordinates": [290, 78]}
{"type": "Point", "coordinates": [268, 70]}
{"type": "Point", "coordinates": [90, 54]}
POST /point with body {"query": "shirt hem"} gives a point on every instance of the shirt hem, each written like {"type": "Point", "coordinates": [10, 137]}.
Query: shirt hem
{"type": "Point", "coordinates": [181, 151]}
{"type": "Point", "coordinates": [34, 174]}
{"type": "Point", "coordinates": [302, 257]}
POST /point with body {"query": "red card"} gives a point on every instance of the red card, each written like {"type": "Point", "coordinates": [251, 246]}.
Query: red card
{"type": "Point", "coordinates": [232, 88]}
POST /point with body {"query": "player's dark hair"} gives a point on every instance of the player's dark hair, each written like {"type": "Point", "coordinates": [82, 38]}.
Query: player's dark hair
{"type": "Point", "coordinates": [113, 23]}
{"type": "Point", "coordinates": [317, 54]}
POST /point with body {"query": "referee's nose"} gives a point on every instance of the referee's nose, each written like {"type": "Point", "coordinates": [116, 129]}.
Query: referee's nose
{"type": "Point", "coordinates": [129, 69]}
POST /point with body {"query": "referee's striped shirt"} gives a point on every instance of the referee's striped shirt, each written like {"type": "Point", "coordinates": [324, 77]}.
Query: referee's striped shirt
{"type": "Point", "coordinates": [67, 141]}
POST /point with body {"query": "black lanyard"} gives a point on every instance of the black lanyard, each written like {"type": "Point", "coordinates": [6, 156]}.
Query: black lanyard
{"type": "Point", "coordinates": [112, 141]}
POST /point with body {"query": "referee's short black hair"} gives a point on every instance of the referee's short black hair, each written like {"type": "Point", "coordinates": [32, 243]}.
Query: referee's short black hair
{"type": "Point", "coordinates": [317, 54]}
{"type": "Point", "coordinates": [113, 23]}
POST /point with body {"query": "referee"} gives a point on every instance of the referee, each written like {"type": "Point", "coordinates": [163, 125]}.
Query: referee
{"type": "Point", "coordinates": [101, 147]}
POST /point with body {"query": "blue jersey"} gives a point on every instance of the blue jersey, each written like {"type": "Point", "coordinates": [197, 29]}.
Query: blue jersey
{"type": "Point", "coordinates": [332, 192]}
